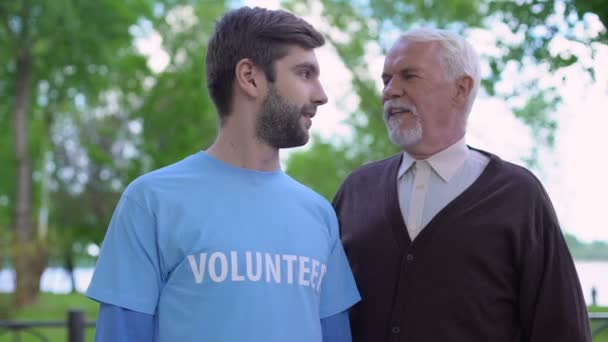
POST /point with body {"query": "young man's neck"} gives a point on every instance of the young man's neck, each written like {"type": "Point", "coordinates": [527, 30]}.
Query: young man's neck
{"type": "Point", "coordinates": [243, 150]}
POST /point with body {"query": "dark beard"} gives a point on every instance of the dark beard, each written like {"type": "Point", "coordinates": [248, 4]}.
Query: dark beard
{"type": "Point", "coordinates": [278, 123]}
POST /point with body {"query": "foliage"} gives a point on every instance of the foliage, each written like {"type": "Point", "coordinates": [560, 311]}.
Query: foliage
{"type": "Point", "coordinates": [98, 115]}
{"type": "Point", "coordinates": [178, 116]}
{"type": "Point", "coordinates": [596, 250]}
{"type": "Point", "coordinates": [68, 60]}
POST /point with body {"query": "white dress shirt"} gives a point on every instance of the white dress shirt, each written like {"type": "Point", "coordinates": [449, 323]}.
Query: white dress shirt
{"type": "Point", "coordinates": [427, 186]}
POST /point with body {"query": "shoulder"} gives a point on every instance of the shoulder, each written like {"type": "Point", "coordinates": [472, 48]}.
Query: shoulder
{"type": "Point", "coordinates": [518, 175]}
{"type": "Point", "coordinates": [513, 178]}
{"type": "Point", "coordinates": [313, 201]}
{"type": "Point", "coordinates": [307, 194]}
{"type": "Point", "coordinates": [370, 172]}
{"type": "Point", "coordinates": [162, 181]}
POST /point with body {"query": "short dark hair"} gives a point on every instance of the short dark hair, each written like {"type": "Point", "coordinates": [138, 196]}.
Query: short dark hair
{"type": "Point", "coordinates": [259, 34]}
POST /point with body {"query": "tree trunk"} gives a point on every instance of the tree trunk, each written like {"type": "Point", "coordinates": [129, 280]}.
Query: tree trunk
{"type": "Point", "coordinates": [29, 253]}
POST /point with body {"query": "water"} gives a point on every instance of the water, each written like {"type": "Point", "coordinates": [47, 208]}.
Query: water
{"type": "Point", "coordinates": [57, 280]}
{"type": "Point", "coordinates": [53, 279]}
{"type": "Point", "coordinates": [594, 274]}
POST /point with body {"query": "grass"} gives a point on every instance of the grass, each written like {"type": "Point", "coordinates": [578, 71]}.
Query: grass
{"type": "Point", "coordinates": [603, 337]}
{"type": "Point", "coordinates": [52, 307]}
{"type": "Point", "coordinates": [49, 307]}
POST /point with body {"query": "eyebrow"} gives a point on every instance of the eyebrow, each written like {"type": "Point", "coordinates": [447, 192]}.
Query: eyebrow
{"type": "Point", "coordinates": [402, 71]}
{"type": "Point", "coordinates": [410, 69]}
{"type": "Point", "coordinates": [307, 66]}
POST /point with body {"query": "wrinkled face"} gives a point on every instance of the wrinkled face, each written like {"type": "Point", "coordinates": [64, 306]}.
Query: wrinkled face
{"type": "Point", "coordinates": [291, 101]}
{"type": "Point", "coordinates": [418, 97]}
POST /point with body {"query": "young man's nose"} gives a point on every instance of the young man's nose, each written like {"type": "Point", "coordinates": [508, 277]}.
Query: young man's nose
{"type": "Point", "coordinates": [320, 98]}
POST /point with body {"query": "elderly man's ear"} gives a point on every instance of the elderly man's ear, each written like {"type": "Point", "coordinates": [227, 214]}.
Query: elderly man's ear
{"type": "Point", "coordinates": [464, 87]}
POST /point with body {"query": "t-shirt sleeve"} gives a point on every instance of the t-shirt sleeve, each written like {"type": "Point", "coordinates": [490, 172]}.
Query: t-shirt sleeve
{"type": "Point", "coordinates": [127, 273]}
{"type": "Point", "coordinates": [338, 291]}
{"type": "Point", "coordinates": [116, 324]}
{"type": "Point", "coordinates": [336, 328]}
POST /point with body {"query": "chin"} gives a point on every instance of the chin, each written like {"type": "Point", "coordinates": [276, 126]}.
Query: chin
{"type": "Point", "coordinates": [295, 142]}
{"type": "Point", "coordinates": [405, 138]}
{"type": "Point", "coordinates": [303, 141]}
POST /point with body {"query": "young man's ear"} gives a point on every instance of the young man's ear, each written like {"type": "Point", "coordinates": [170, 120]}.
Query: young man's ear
{"type": "Point", "coordinates": [249, 78]}
{"type": "Point", "coordinates": [464, 87]}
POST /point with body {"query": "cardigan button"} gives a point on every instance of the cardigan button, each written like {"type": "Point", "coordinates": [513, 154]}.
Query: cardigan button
{"type": "Point", "coordinates": [409, 257]}
{"type": "Point", "coordinates": [395, 330]}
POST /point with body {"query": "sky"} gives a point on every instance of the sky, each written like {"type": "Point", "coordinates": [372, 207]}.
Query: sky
{"type": "Point", "coordinates": [572, 171]}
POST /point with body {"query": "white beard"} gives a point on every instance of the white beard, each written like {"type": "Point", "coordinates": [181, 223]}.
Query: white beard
{"type": "Point", "coordinates": [403, 137]}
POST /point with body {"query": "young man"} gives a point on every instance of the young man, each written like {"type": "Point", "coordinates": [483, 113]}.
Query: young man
{"type": "Point", "coordinates": [450, 243]}
{"type": "Point", "coordinates": [223, 245]}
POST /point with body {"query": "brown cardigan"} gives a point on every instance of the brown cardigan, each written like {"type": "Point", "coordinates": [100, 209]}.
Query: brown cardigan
{"type": "Point", "coordinates": [492, 266]}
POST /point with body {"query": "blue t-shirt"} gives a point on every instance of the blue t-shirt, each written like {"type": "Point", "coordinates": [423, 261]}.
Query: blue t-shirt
{"type": "Point", "coordinates": [221, 253]}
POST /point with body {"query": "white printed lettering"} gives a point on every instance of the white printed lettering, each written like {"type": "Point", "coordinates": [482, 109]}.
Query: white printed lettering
{"type": "Point", "coordinates": [234, 261]}
{"type": "Point", "coordinates": [198, 270]}
{"type": "Point", "coordinates": [274, 269]}
{"type": "Point", "coordinates": [303, 271]}
{"type": "Point", "coordinates": [321, 277]}
{"type": "Point", "coordinates": [251, 266]}
{"type": "Point", "coordinates": [314, 272]}
{"type": "Point", "coordinates": [258, 266]}
{"type": "Point", "coordinates": [290, 260]}
{"type": "Point", "coordinates": [223, 267]}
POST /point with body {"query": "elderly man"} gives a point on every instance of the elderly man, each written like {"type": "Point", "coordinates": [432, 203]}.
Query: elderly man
{"type": "Point", "coordinates": [448, 242]}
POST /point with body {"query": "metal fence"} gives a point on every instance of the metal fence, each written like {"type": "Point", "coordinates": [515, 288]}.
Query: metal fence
{"type": "Point", "coordinates": [75, 325]}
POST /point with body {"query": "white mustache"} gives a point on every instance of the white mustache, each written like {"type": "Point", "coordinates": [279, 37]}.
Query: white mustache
{"type": "Point", "coordinates": [393, 106]}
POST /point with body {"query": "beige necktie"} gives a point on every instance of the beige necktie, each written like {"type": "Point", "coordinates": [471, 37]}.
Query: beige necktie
{"type": "Point", "coordinates": [422, 173]}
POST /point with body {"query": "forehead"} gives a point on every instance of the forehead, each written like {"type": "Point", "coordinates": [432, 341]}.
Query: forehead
{"type": "Point", "coordinates": [412, 54]}
{"type": "Point", "coordinates": [297, 55]}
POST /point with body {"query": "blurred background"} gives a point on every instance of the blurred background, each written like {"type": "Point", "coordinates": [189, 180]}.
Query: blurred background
{"type": "Point", "coordinates": [94, 93]}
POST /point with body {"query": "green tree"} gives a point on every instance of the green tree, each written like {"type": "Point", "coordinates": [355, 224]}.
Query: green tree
{"type": "Point", "coordinates": [52, 53]}
{"type": "Point", "coordinates": [177, 114]}
{"type": "Point", "coordinates": [89, 168]}
{"type": "Point", "coordinates": [91, 116]}
{"type": "Point", "coordinates": [596, 250]}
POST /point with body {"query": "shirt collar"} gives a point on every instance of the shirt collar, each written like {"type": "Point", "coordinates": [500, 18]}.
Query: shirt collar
{"type": "Point", "coordinates": [445, 163]}
{"type": "Point", "coordinates": [406, 162]}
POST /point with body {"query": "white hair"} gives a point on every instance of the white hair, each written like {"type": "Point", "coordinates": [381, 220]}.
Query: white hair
{"type": "Point", "coordinates": [458, 57]}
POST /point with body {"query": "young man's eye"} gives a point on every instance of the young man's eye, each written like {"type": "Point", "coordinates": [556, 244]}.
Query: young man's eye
{"type": "Point", "coordinates": [306, 74]}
